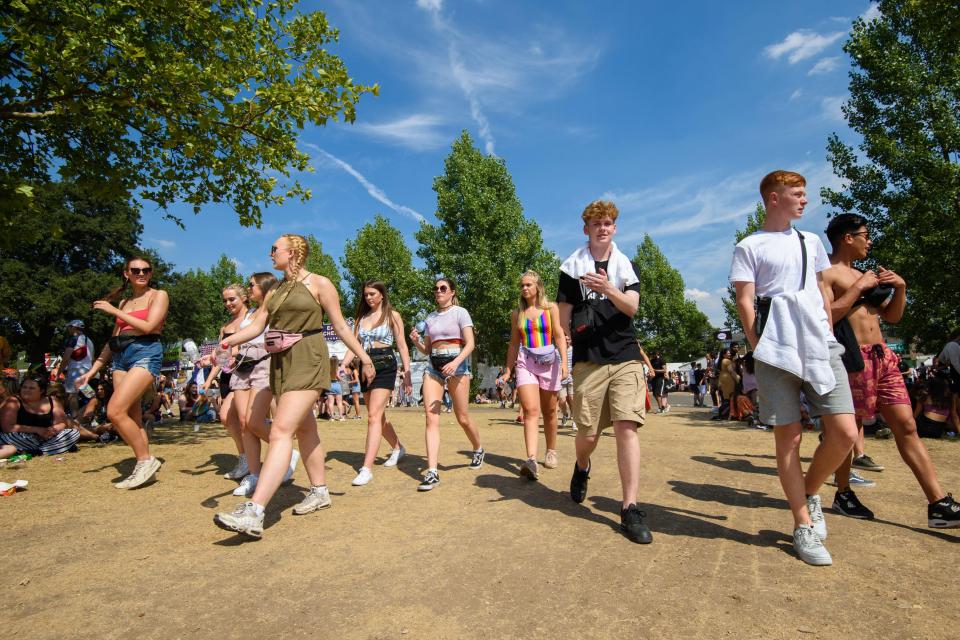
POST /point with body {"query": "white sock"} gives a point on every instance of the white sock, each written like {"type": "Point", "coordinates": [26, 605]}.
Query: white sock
{"type": "Point", "coordinates": [258, 509]}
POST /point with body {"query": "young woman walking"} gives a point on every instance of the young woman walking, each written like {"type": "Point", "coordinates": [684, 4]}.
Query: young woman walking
{"type": "Point", "coordinates": [538, 355]}
{"type": "Point", "coordinates": [234, 298]}
{"type": "Point", "coordinates": [136, 353]}
{"type": "Point", "coordinates": [449, 341]}
{"type": "Point", "coordinates": [299, 369]}
{"type": "Point", "coordinates": [378, 326]}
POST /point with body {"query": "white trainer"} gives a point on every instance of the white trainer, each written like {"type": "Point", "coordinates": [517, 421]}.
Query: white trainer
{"type": "Point", "coordinates": [239, 471]}
{"type": "Point", "coordinates": [243, 519]}
{"type": "Point", "coordinates": [396, 455]}
{"type": "Point", "coordinates": [363, 477]}
{"type": "Point", "coordinates": [247, 486]}
{"type": "Point", "coordinates": [809, 547]}
{"type": "Point", "coordinates": [816, 516]}
{"type": "Point", "coordinates": [316, 498]}
{"type": "Point", "coordinates": [294, 459]}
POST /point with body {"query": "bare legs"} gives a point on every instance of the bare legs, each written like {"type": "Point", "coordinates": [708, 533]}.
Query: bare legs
{"type": "Point", "coordinates": [123, 412]}
{"type": "Point", "coordinates": [459, 387]}
{"type": "Point", "coordinates": [294, 417]}
{"type": "Point", "coordinates": [253, 405]}
{"type": "Point", "coordinates": [377, 424]}
{"type": "Point", "coordinates": [230, 418]}
{"type": "Point", "coordinates": [534, 401]}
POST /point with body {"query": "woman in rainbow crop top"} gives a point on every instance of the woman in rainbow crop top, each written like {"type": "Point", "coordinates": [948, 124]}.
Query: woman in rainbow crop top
{"type": "Point", "coordinates": [449, 341]}
{"type": "Point", "coordinates": [136, 353]}
{"type": "Point", "coordinates": [538, 355]}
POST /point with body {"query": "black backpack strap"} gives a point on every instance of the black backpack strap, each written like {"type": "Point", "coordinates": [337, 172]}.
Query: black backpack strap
{"type": "Point", "coordinates": [803, 252]}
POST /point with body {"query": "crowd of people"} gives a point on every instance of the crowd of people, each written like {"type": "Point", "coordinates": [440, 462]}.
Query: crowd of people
{"type": "Point", "coordinates": [812, 326]}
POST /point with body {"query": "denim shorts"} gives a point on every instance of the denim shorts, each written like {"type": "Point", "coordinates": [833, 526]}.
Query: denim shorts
{"type": "Point", "coordinates": [140, 353]}
{"type": "Point", "coordinates": [462, 370]}
{"type": "Point", "coordinates": [335, 388]}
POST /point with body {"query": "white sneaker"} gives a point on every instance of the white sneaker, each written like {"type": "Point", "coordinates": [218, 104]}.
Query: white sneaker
{"type": "Point", "coordinates": [143, 472]}
{"type": "Point", "coordinates": [363, 477]}
{"type": "Point", "coordinates": [809, 547]}
{"type": "Point", "coordinates": [316, 498]}
{"type": "Point", "coordinates": [396, 455]}
{"type": "Point", "coordinates": [243, 519]}
{"type": "Point", "coordinates": [247, 486]}
{"type": "Point", "coordinates": [239, 471]}
{"type": "Point", "coordinates": [288, 476]}
{"type": "Point", "coordinates": [816, 516]}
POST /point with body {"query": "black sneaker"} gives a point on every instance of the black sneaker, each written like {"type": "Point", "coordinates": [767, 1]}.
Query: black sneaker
{"type": "Point", "coordinates": [578, 483]}
{"type": "Point", "coordinates": [944, 513]}
{"type": "Point", "coordinates": [631, 523]}
{"type": "Point", "coordinates": [430, 480]}
{"type": "Point", "coordinates": [477, 461]}
{"type": "Point", "coordinates": [847, 503]}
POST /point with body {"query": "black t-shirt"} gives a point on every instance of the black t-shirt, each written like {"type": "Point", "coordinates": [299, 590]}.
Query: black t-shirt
{"type": "Point", "coordinates": [698, 375]}
{"type": "Point", "coordinates": [658, 363]}
{"type": "Point", "coordinates": [615, 339]}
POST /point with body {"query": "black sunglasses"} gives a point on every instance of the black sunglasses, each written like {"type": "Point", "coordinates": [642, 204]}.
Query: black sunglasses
{"type": "Point", "coordinates": [137, 271]}
{"type": "Point", "coordinates": [441, 289]}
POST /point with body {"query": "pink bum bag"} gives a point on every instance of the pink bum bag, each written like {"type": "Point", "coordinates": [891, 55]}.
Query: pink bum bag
{"type": "Point", "coordinates": [276, 341]}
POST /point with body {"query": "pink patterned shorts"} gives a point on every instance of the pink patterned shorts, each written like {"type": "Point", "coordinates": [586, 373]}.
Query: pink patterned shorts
{"type": "Point", "coordinates": [880, 384]}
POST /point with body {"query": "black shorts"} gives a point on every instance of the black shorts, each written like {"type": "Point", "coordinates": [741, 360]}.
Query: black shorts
{"type": "Point", "coordinates": [386, 376]}
{"type": "Point", "coordinates": [659, 386]}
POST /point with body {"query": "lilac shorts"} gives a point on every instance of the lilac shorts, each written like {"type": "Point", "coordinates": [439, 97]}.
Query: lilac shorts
{"type": "Point", "coordinates": [547, 376]}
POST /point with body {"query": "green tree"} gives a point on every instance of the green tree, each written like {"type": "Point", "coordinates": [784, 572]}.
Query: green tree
{"type": "Point", "coordinates": [483, 242]}
{"type": "Point", "coordinates": [905, 179]}
{"type": "Point", "coordinates": [50, 279]}
{"type": "Point", "coordinates": [322, 263]}
{"type": "Point", "coordinates": [188, 101]}
{"type": "Point", "coordinates": [196, 303]}
{"type": "Point", "coordinates": [666, 321]}
{"type": "Point", "coordinates": [379, 252]}
{"type": "Point", "coordinates": [754, 222]}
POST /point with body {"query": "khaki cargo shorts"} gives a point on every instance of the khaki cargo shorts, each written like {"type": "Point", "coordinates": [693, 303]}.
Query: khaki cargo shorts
{"type": "Point", "coordinates": [607, 393]}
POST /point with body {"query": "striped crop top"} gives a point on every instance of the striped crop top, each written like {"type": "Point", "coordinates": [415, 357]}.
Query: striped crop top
{"type": "Point", "coordinates": [536, 332]}
{"type": "Point", "coordinates": [382, 333]}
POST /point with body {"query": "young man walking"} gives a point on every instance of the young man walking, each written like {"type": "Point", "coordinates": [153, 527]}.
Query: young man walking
{"type": "Point", "coordinates": [660, 381]}
{"type": "Point", "coordinates": [864, 298]}
{"type": "Point", "coordinates": [598, 295]}
{"type": "Point", "coordinates": [797, 351]}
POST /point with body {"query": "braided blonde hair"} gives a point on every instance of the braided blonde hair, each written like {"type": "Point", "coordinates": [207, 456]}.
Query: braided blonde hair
{"type": "Point", "coordinates": [299, 251]}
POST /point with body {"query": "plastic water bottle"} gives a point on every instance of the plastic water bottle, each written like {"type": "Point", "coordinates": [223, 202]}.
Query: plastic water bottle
{"type": "Point", "coordinates": [222, 356]}
{"type": "Point", "coordinates": [87, 391]}
{"type": "Point", "coordinates": [421, 327]}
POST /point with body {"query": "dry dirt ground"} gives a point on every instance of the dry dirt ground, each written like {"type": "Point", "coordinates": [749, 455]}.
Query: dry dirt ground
{"type": "Point", "coordinates": [486, 554]}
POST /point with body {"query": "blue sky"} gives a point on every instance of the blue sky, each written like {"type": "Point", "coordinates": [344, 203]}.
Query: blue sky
{"type": "Point", "coordinates": [673, 110]}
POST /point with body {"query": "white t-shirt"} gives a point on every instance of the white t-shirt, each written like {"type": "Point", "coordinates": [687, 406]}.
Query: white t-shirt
{"type": "Point", "coordinates": [448, 325]}
{"type": "Point", "coordinates": [80, 344]}
{"type": "Point", "coordinates": [772, 261]}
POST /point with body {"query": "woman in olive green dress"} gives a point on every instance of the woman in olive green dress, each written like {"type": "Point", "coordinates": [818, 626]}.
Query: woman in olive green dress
{"type": "Point", "coordinates": [297, 375]}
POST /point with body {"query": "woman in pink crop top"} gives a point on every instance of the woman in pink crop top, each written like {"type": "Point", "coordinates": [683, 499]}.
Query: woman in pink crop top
{"type": "Point", "coordinates": [136, 352]}
{"type": "Point", "coordinates": [449, 341]}
{"type": "Point", "coordinates": [936, 409]}
{"type": "Point", "coordinates": [538, 355]}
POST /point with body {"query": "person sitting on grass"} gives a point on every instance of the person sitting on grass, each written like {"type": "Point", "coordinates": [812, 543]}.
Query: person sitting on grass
{"type": "Point", "coordinates": [35, 423]}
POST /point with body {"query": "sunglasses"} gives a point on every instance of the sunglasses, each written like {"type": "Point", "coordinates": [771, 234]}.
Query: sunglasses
{"type": "Point", "coordinates": [441, 289]}
{"type": "Point", "coordinates": [275, 248]}
{"type": "Point", "coordinates": [865, 234]}
{"type": "Point", "coordinates": [137, 271]}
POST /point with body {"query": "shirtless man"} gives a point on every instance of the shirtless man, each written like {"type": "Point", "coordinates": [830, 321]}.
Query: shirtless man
{"type": "Point", "coordinates": [880, 384]}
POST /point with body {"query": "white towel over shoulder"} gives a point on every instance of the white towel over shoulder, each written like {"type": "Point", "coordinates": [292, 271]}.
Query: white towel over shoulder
{"type": "Point", "coordinates": [619, 269]}
{"type": "Point", "coordinates": [795, 339]}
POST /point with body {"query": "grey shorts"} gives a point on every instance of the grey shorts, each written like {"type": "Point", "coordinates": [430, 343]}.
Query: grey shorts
{"type": "Point", "coordinates": [780, 392]}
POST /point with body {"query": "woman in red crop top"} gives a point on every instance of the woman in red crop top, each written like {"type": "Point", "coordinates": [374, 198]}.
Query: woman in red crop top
{"type": "Point", "coordinates": [136, 353]}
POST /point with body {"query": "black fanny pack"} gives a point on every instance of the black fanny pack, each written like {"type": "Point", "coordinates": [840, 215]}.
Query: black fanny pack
{"type": "Point", "coordinates": [382, 361]}
{"type": "Point", "coordinates": [246, 366]}
{"type": "Point", "coordinates": [121, 341]}
{"type": "Point", "coordinates": [585, 320]}
{"type": "Point", "coordinates": [439, 362]}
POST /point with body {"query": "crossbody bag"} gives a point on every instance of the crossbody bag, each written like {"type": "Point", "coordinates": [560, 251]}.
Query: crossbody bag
{"type": "Point", "coordinates": [763, 303]}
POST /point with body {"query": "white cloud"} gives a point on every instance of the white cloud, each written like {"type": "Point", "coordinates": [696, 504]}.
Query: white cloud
{"type": "Point", "coordinates": [801, 45]}
{"type": "Point", "coordinates": [373, 190]}
{"type": "Point", "coordinates": [872, 12]}
{"type": "Point", "coordinates": [824, 65]}
{"type": "Point", "coordinates": [796, 94]}
{"type": "Point", "coordinates": [236, 262]}
{"type": "Point", "coordinates": [696, 294]}
{"type": "Point", "coordinates": [418, 131]}
{"type": "Point", "coordinates": [832, 108]}
{"type": "Point", "coordinates": [430, 5]}
{"type": "Point", "coordinates": [163, 244]}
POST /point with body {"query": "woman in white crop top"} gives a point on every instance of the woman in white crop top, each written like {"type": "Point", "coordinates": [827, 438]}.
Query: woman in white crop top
{"type": "Point", "coordinates": [449, 341]}
{"type": "Point", "coordinates": [377, 326]}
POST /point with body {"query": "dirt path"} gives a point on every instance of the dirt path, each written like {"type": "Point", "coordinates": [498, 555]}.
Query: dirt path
{"type": "Point", "coordinates": [484, 555]}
